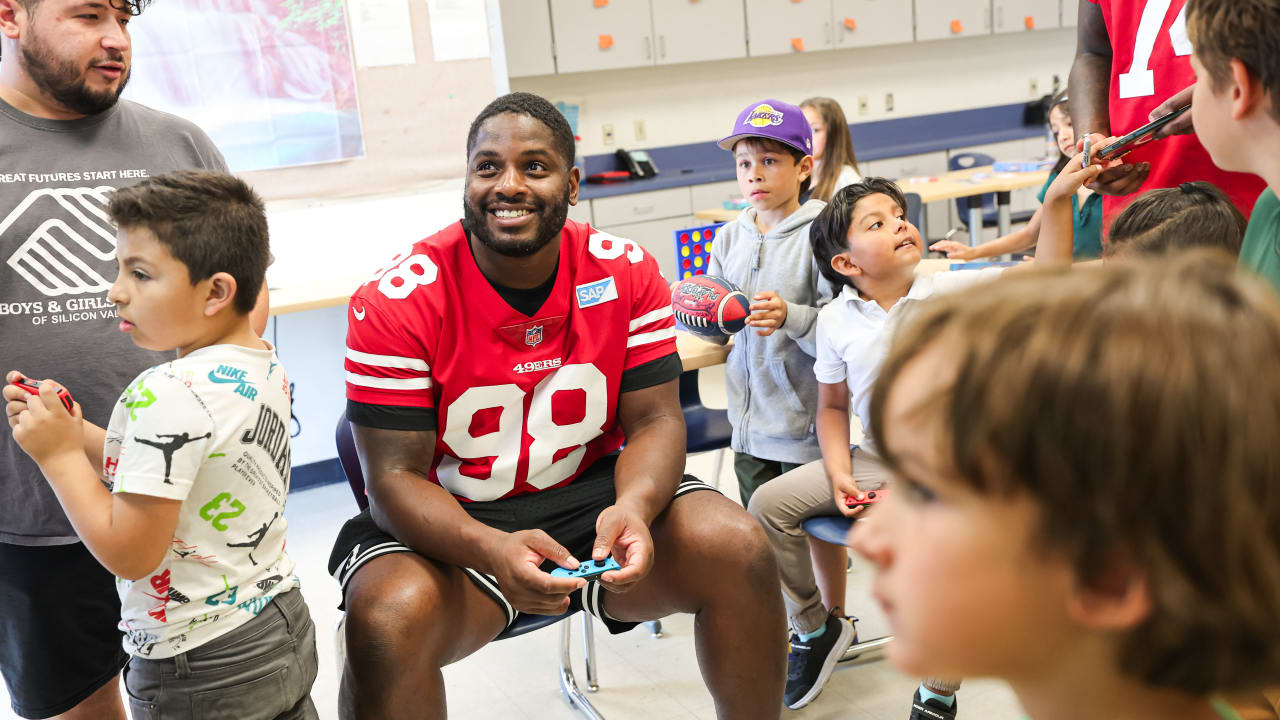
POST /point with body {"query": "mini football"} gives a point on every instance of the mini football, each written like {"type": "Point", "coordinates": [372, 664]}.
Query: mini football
{"type": "Point", "coordinates": [710, 306]}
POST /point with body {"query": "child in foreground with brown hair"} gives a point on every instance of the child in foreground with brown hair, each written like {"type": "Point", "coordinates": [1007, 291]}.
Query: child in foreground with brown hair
{"type": "Point", "coordinates": [1087, 462]}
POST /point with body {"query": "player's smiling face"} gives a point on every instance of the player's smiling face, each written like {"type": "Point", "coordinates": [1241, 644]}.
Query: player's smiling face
{"type": "Point", "coordinates": [519, 187]}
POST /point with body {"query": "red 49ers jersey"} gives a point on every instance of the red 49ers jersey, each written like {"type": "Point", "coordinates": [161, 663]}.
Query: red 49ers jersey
{"type": "Point", "coordinates": [521, 403]}
{"type": "Point", "coordinates": [1150, 61]}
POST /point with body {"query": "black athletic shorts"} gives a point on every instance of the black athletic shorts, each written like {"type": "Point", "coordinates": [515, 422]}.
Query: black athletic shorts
{"type": "Point", "coordinates": [568, 514]}
{"type": "Point", "coordinates": [59, 613]}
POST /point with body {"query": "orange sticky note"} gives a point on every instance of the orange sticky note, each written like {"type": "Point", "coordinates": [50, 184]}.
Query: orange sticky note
{"type": "Point", "coordinates": [957, 27]}
{"type": "Point", "coordinates": [851, 23]}
{"type": "Point", "coordinates": [606, 41]}
{"type": "Point", "coordinates": [798, 44]}
{"type": "Point", "coordinates": [601, 3]}
{"type": "Point", "coordinates": [1031, 22]}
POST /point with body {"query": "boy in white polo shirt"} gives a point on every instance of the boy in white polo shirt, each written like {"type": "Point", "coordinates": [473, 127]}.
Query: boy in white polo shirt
{"type": "Point", "coordinates": [863, 243]}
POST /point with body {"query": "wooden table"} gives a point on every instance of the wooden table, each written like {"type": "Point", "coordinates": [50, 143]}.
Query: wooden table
{"type": "Point", "coordinates": [972, 183]}
{"type": "Point", "coordinates": [695, 352]}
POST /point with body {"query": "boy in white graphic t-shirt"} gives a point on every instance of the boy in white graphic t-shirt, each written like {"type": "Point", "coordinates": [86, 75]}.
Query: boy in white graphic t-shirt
{"type": "Point", "coordinates": [195, 462]}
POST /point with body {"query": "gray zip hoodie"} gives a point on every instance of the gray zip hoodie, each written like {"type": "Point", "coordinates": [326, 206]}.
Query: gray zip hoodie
{"type": "Point", "coordinates": [773, 394]}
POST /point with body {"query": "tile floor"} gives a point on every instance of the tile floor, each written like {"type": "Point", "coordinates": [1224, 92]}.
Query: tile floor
{"type": "Point", "coordinates": [640, 677]}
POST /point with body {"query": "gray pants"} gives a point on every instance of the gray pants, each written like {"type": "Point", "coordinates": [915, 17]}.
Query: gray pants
{"type": "Point", "coordinates": [260, 671]}
{"type": "Point", "coordinates": [782, 505]}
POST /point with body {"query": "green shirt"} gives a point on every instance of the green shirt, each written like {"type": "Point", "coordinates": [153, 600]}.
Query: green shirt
{"type": "Point", "coordinates": [1086, 222]}
{"type": "Point", "coordinates": [1261, 250]}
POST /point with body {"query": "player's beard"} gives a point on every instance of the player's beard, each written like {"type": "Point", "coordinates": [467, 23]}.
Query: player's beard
{"type": "Point", "coordinates": [65, 82]}
{"type": "Point", "coordinates": [551, 219]}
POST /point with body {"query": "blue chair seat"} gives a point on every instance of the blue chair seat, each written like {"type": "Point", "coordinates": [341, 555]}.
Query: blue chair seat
{"type": "Point", "coordinates": [705, 429]}
{"type": "Point", "coordinates": [833, 529]}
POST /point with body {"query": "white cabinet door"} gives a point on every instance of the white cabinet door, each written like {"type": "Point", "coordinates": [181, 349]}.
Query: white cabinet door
{"type": "Point", "coordinates": [697, 30]}
{"type": "Point", "coordinates": [782, 27]}
{"type": "Point", "coordinates": [939, 19]}
{"type": "Point", "coordinates": [616, 34]}
{"type": "Point", "coordinates": [526, 35]}
{"type": "Point", "coordinates": [1071, 13]}
{"type": "Point", "coordinates": [859, 23]}
{"type": "Point", "coordinates": [658, 237]}
{"type": "Point", "coordinates": [1022, 15]}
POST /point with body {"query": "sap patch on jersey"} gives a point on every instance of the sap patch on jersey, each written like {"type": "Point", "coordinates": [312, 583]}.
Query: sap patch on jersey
{"type": "Point", "coordinates": [600, 291]}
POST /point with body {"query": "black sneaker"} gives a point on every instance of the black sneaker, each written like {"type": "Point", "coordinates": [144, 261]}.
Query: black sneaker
{"type": "Point", "coordinates": [810, 662]}
{"type": "Point", "coordinates": [932, 709]}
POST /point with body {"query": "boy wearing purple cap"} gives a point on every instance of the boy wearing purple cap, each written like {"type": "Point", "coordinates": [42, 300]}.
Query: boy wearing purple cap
{"type": "Point", "coordinates": [765, 251]}
{"type": "Point", "coordinates": [772, 391]}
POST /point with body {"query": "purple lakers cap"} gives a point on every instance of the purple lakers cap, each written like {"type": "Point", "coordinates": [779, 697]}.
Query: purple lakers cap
{"type": "Point", "coordinates": [775, 120]}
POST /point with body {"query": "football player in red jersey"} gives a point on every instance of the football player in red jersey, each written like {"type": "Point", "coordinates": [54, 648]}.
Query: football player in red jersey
{"type": "Point", "coordinates": [1130, 56]}
{"type": "Point", "coordinates": [493, 373]}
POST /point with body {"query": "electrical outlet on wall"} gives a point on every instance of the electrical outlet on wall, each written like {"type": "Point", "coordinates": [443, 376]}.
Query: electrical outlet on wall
{"type": "Point", "coordinates": [864, 105]}
{"type": "Point", "coordinates": [888, 102]}
{"type": "Point", "coordinates": [640, 134]}
{"type": "Point", "coordinates": [608, 133]}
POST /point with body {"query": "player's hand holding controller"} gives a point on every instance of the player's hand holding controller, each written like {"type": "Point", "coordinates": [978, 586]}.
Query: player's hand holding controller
{"type": "Point", "coordinates": [768, 312]}
{"type": "Point", "coordinates": [517, 558]}
{"type": "Point", "coordinates": [15, 398]}
{"type": "Point", "coordinates": [623, 533]}
{"type": "Point", "coordinates": [44, 429]}
{"type": "Point", "coordinates": [843, 487]}
{"type": "Point", "coordinates": [1118, 177]}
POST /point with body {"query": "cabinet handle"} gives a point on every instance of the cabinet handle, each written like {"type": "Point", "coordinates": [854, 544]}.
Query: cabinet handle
{"type": "Point", "coordinates": [662, 46]}
{"type": "Point", "coordinates": [826, 28]}
{"type": "Point", "coordinates": [648, 48]}
{"type": "Point", "coordinates": [643, 209]}
{"type": "Point", "coordinates": [1000, 17]}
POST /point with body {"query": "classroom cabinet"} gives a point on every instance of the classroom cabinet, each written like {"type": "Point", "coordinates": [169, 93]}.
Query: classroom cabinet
{"type": "Point", "coordinates": [1071, 13]}
{"type": "Point", "coordinates": [526, 34]}
{"type": "Point", "coordinates": [862, 23]}
{"type": "Point", "coordinates": [784, 27]}
{"type": "Point", "coordinates": [658, 237]}
{"type": "Point", "coordinates": [699, 30]}
{"type": "Point", "coordinates": [940, 19]}
{"type": "Point", "coordinates": [594, 35]}
{"type": "Point", "coordinates": [1009, 16]}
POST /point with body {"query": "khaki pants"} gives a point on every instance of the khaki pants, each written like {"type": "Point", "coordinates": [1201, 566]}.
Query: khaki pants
{"type": "Point", "coordinates": [782, 505]}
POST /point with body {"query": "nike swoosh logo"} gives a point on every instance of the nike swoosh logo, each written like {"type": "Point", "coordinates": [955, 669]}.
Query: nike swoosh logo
{"type": "Point", "coordinates": [358, 313]}
{"type": "Point", "coordinates": [225, 381]}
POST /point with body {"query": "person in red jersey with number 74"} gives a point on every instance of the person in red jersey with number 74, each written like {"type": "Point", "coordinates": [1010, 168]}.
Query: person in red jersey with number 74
{"type": "Point", "coordinates": [1131, 57]}
{"type": "Point", "coordinates": [494, 371]}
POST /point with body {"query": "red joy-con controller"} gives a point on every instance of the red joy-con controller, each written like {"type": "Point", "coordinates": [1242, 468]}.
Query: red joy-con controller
{"type": "Point", "coordinates": [870, 497]}
{"type": "Point", "coordinates": [33, 387]}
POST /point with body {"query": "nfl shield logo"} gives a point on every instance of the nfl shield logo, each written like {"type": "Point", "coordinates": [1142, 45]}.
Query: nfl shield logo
{"type": "Point", "coordinates": [533, 336]}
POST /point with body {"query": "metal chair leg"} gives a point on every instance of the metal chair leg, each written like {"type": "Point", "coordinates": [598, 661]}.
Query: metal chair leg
{"type": "Point", "coordinates": [589, 652]}
{"type": "Point", "coordinates": [719, 465]}
{"type": "Point", "coordinates": [866, 651]}
{"type": "Point", "coordinates": [655, 628]}
{"type": "Point", "coordinates": [568, 684]}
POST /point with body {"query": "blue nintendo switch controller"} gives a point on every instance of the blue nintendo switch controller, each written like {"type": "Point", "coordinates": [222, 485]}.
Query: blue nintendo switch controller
{"type": "Point", "coordinates": [588, 569]}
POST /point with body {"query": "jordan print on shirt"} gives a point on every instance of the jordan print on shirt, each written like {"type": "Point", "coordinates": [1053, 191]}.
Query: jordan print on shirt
{"type": "Point", "coordinates": [169, 447]}
{"type": "Point", "coordinates": [255, 538]}
{"type": "Point", "coordinates": [64, 255]}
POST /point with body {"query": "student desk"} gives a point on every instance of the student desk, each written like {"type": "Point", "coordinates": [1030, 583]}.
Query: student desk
{"type": "Point", "coordinates": [695, 353]}
{"type": "Point", "coordinates": [972, 184]}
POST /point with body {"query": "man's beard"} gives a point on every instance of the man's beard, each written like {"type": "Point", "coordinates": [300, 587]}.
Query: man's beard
{"type": "Point", "coordinates": [549, 226]}
{"type": "Point", "coordinates": [64, 82]}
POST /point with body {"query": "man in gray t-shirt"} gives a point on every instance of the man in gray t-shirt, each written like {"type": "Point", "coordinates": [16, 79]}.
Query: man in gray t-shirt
{"type": "Point", "coordinates": [66, 142]}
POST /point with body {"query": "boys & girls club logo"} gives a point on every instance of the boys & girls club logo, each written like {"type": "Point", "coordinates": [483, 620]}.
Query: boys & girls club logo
{"type": "Point", "coordinates": [763, 115]}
